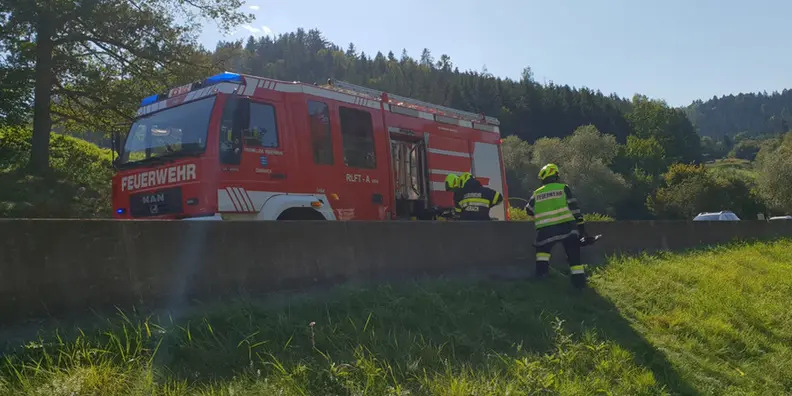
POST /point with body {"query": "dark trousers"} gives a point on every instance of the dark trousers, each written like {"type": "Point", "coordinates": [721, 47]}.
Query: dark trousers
{"type": "Point", "coordinates": [572, 249]}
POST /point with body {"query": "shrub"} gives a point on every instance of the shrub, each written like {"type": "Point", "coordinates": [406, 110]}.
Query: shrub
{"type": "Point", "coordinates": [517, 214]}
{"type": "Point", "coordinates": [78, 184]}
{"type": "Point", "coordinates": [746, 150]}
{"type": "Point", "coordinates": [597, 218]}
{"type": "Point", "coordinates": [583, 158]}
{"type": "Point", "coordinates": [692, 189]}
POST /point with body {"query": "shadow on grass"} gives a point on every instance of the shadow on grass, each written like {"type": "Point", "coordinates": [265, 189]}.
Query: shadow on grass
{"type": "Point", "coordinates": [588, 310]}
{"type": "Point", "coordinates": [400, 332]}
{"type": "Point", "coordinates": [420, 326]}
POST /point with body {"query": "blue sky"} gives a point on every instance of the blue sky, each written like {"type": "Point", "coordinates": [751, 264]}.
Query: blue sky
{"type": "Point", "coordinates": [678, 50]}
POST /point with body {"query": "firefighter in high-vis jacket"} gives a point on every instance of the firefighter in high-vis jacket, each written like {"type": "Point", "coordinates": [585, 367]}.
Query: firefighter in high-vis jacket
{"type": "Point", "coordinates": [472, 201]}
{"type": "Point", "coordinates": [557, 218]}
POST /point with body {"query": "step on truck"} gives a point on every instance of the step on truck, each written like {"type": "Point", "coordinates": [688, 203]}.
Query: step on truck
{"type": "Point", "coordinates": [251, 148]}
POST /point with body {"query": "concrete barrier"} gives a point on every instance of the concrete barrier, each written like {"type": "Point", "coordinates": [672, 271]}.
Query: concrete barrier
{"type": "Point", "coordinates": [57, 267]}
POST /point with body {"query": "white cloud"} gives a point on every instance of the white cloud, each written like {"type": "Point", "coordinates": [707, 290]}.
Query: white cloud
{"type": "Point", "coordinates": [262, 31]}
{"type": "Point", "coordinates": [251, 29]}
{"type": "Point", "coordinates": [254, 7]}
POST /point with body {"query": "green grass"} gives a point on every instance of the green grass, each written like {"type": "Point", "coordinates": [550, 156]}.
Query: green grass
{"type": "Point", "coordinates": [711, 322]}
{"type": "Point", "coordinates": [734, 165]}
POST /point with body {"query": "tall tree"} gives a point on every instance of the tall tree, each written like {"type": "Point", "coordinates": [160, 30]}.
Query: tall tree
{"type": "Point", "coordinates": [583, 159]}
{"type": "Point", "coordinates": [774, 163]}
{"type": "Point", "coordinates": [669, 126]}
{"type": "Point", "coordinates": [16, 76]}
{"type": "Point", "coordinates": [426, 58]}
{"type": "Point", "coordinates": [78, 44]}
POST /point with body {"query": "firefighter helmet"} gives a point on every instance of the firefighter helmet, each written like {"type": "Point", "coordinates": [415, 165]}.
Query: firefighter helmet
{"type": "Point", "coordinates": [547, 171]}
{"type": "Point", "coordinates": [451, 182]}
{"type": "Point", "coordinates": [463, 178]}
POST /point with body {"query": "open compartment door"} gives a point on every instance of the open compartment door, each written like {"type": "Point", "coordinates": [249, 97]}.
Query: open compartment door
{"type": "Point", "coordinates": [408, 161]}
{"type": "Point", "coordinates": [445, 155]}
{"type": "Point", "coordinates": [487, 169]}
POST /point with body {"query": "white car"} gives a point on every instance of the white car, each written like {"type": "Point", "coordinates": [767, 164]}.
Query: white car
{"type": "Point", "coordinates": [724, 215]}
{"type": "Point", "coordinates": [787, 217]}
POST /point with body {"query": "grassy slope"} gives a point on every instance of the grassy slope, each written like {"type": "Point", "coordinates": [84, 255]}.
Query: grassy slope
{"type": "Point", "coordinates": [739, 166]}
{"type": "Point", "coordinates": [713, 322]}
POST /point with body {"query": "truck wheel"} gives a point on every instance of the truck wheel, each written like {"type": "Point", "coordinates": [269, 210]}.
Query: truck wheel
{"type": "Point", "coordinates": [300, 214]}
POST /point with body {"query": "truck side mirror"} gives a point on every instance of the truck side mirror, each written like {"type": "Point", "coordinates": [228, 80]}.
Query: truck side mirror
{"type": "Point", "coordinates": [113, 148]}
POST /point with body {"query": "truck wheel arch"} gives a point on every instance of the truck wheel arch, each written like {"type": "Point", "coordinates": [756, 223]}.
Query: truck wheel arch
{"type": "Point", "coordinates": [295, 207]}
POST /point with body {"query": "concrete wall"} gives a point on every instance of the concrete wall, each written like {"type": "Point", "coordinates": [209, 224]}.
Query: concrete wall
{"type": "Point", "coordinates": [57, 267]}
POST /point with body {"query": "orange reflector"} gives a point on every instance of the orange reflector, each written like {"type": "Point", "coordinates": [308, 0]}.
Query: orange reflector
{"type": "Point", "coordinates": [316, 204]}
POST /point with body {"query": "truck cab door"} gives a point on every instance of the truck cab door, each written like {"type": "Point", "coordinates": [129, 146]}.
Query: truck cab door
{"type": "Point", "coordinates": [250, 153]}
{"type": "Point", "coordinates": [263, 153]}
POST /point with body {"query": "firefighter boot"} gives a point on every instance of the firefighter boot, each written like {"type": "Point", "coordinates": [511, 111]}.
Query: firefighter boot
{"type": "Point", "coordinates": [578, 276]}
{"type": "Point", "coordinates": [542, 265]}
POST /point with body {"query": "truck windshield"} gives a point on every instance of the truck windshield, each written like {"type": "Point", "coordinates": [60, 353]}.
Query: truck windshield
{"type": "Point", "coordinates": [178, 130]}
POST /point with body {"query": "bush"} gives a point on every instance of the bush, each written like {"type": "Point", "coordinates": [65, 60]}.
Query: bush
{"type": "Point", "coordinates": [633, 205]}
{"type": "Point", "coordinates": [520, 171]}
{"type": "Point", "coordinates": [517, 214]}
{"type": "Point", "coordinates": [597, 218]}
{"type": "Point", "coordinates": [78, 184]}
{"type": "Point", "coordinates": [692, 189]}
{"type": "Point", "coordinates": [583, 158]}
{"type": "Point", "coordinates": [746, 150]}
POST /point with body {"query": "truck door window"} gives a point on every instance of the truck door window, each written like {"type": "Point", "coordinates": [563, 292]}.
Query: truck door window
{"type": "Point", "coordinates": [357, 132]}
{"type": "Point", "coordinates": [262, 129]}
{"type": "Point", "coordinates": [321, 138]}
{"type": "Point", "coordinates": [230, 133]}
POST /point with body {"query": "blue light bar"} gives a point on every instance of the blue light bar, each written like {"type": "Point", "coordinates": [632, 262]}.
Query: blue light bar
{"type": "Point", "coordinates": [149, 100]}
{"type": "Point", "coordinates": [223, 77]}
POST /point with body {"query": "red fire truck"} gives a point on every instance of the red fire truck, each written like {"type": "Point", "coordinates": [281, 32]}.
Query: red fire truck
{"type": "Point", "coordinates": [242, 147]}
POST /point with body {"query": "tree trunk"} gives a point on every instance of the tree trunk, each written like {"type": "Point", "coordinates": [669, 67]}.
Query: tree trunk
{"type": "Point", "coordinates": [42, 122]}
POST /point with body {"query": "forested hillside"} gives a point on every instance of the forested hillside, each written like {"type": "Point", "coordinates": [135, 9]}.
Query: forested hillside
{"type": "Point", "coordinates": [753, 114]}
{"type": "Point", "coordinates": [526, 108]}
